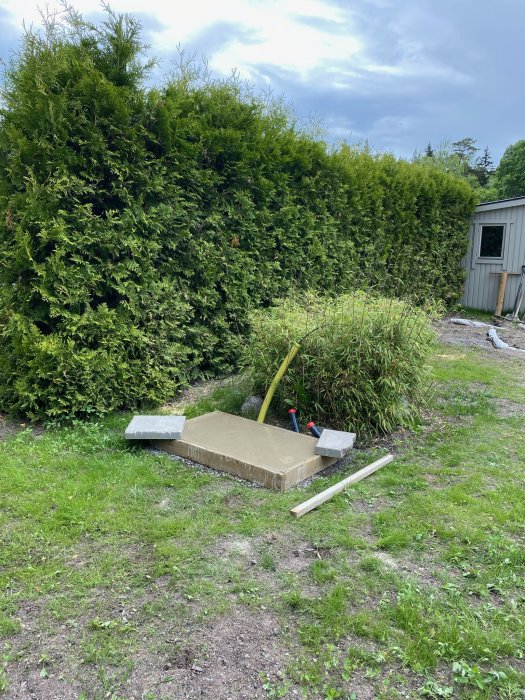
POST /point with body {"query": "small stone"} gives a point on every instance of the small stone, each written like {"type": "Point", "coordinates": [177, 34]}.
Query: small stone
{"type": "Point", "coordinates": [334, 443]}
{"type": "Point", "coordinates": [155, 428]}
{"type": "Point", "coordinates": [251, 406]}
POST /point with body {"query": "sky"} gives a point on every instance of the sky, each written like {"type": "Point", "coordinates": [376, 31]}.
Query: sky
{"type": "Point", "coordinates": [396, 73]}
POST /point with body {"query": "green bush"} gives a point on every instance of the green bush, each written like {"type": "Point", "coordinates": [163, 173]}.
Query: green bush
{"type": "Point", "coordinates": [140, 226]}
{"type": "Point", "coordinates": [362, 365]}
{"type": "Point", "coordinates": [88, 322]}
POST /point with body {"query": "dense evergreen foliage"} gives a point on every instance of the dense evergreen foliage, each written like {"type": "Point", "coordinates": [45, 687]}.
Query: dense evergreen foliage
{"type": "Point", "coordinates": [140, 225]}
{"type": "Point", "coordinates": [87, 314]}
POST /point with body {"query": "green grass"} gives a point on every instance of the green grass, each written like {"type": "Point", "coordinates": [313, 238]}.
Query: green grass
{"type": "Point", "coordinates": [475, 314]}
{"type": "Point", "coordinates": [413, 584]}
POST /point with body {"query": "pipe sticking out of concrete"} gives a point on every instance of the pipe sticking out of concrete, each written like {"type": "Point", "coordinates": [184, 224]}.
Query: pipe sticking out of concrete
{"type": "Point", "coordinates": [293, 419]}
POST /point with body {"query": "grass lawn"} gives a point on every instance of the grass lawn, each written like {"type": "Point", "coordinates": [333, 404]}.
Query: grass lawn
{"type": "Point", "coordinates": [126, 574]}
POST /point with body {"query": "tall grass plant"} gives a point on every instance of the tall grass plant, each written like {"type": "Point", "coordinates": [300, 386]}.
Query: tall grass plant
{"type": "Point", "coordinates": [363, 364]}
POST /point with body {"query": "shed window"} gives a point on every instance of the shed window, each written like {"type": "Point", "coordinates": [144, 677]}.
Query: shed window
{"type": "Point", "coordinates": [491, 245]}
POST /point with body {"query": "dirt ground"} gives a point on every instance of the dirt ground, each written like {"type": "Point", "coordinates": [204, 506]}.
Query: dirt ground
{"type": "Point", "coordinates": [182, 656]}
{"type": "Point", "coordinates": [468, 336]}
{"type": "Point", "coordinates": [9, 426]}
{"type": "Point", "coordinates": [227, 658]}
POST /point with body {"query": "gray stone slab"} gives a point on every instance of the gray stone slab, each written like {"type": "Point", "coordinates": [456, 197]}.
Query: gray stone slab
{"type": "Point", "coordinates": [155, 428]}
{"type": "Point", "coordinates": [334, 443]}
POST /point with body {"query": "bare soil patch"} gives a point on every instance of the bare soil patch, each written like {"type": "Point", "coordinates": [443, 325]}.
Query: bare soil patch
{"type": "Point", "coordinates": [195, 392]}
{"type": "Point", "coordinates": [39, 672]}
{"type": "Point", "coordinates": [175, 656]}
{"type": "Point", "coordinates": [227, 659]}
{"type": "Point", "coordinates": [236, 547]}
{"type": "Point", "coordinates": [469, 336]}
{"type": "Point", "coordinates": [505, 408]}
{"type": "Point", "coordinates": [9, 426]}
{"type": "Point", "coordinates": [299, 557]}
{"type": "Point", "coordinates": [466, 336]}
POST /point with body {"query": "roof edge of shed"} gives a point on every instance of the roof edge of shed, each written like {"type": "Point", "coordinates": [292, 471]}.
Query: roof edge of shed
{"type": "Point", "coordinates": [501, 203]}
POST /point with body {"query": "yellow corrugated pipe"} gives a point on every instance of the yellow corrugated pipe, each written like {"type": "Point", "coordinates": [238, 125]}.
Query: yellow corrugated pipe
{"type": "Point", "coordinates": [275, 381]}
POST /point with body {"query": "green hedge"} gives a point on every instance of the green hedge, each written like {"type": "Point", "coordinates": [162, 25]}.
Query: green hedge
{"type": "Point", "coordinates": [139, 226]}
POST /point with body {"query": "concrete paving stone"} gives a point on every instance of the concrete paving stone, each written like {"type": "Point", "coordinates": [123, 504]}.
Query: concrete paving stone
{"type": "Point", "coordinates": [334, 443]}
{"type": "Point", "coordinates": [155, 428]}
{"type": "Point", "coordinates": [258, 452]}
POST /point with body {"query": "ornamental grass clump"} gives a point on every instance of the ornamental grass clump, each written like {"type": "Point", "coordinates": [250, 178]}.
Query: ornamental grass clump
{"type": "Point", "coordinates": [363, 364]}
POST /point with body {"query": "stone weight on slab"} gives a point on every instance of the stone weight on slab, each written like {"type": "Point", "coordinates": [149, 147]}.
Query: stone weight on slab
{"type": "Point", "coordinates": [334, 443]}
{"type": "Point", "coordinates": [155, 428]}
{"type": "Point", "coordinates": [251, 406]}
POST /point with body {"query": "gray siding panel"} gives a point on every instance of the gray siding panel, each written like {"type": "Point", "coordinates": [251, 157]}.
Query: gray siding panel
{"type": "Point", "coordinates": [481, 285]}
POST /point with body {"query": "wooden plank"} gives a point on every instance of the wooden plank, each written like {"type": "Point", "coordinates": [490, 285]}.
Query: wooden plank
{"type": "Point", "coordinates": [315, 501]}
{"type": "Point", "coordinates": [501, 292]}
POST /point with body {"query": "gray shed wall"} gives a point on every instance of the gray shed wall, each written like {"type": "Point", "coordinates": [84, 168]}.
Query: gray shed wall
{"type": "Point", "coordinates": [481, 285]}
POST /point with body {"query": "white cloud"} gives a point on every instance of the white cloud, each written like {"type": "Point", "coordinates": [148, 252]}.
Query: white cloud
{"type": "Point", "coordinates": [420, 69]}
{"type": "Point", "coordinates": [283, 41]}
{"type": "Point", "coordinates": [279, 36]}
{"type": "Point", "coordinates": [308, 39]}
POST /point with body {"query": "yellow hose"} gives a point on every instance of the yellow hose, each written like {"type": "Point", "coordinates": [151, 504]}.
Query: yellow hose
{"type": "Point", "coordinates": [275, 381]}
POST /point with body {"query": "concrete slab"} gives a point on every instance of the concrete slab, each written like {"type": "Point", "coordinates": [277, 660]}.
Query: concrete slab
{"type": "Point", "coordinates": [334, 443]}
{"type": "Point", "coordinates": [270, 456]}
{"type": "Point", "coordinates": [155, 428]}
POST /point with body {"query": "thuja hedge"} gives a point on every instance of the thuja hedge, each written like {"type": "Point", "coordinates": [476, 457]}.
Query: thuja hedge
{"type": "Point", "coordinates": [140, 225]}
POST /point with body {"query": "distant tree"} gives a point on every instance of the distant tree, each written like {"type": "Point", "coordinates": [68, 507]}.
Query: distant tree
{"type": "Point", "coordinates": [445, 158]}
{"type": "Point", "coordinates": [479, 169]}
{"type": "Point", "coordinates": [483, 168]}
{"type": "Point", "coordinates": [459, 158]}
{"type": "Point", "coordinates": [485, 161]}
{"type": "Point", "coordinates": [465, 149]}
{"type": "Point", "coordinates": [510, 173]}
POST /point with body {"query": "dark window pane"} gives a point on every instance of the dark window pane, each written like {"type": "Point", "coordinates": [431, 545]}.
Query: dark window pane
{"type": "Point", "coordinates": [491, 242]}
